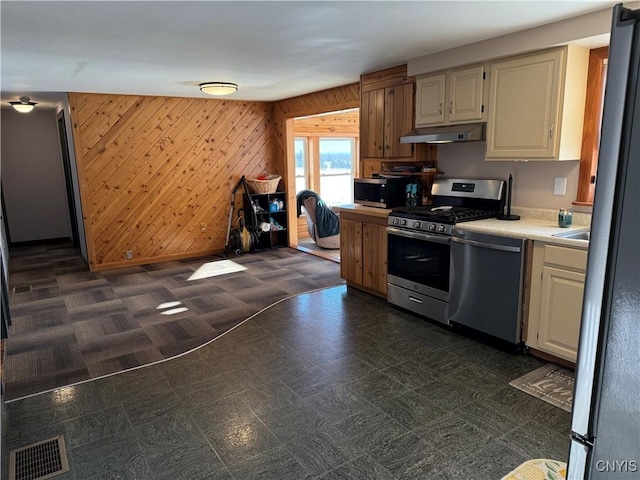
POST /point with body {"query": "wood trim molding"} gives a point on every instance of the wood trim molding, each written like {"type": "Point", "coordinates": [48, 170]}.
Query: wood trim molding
{"type": "Point", "coordinates": [552, 358]}
{"type": "Point", "coordinates": [591, 128]}
{"type": "Point", "coordinates": [389, 77]}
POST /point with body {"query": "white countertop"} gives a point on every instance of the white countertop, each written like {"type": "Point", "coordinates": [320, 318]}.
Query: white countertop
{"type": "Point", "coordinates": [534, 224]}
{"type": "Point", "coordinates": [530, 228]}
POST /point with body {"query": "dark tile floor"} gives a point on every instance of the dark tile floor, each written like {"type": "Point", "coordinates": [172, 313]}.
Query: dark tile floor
{"type": "Point", "coordinates": [74, 324]}
{"type": "Point", "coordinates": [334, 384]}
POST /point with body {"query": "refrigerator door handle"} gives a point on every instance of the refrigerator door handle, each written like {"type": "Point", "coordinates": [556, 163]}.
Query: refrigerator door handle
{"type": "Point", "coordinates": [587, 442]}
{"type": "Point", "coordinates": [578, 453]}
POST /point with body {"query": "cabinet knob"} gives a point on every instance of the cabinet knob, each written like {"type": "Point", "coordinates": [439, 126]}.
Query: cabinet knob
{"type": "Point", "coordinates": [440, 109]}
{"type": "Point", "coordinates": [551, 132]}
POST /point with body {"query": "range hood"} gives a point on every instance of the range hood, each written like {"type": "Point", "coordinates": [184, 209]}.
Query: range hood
{"type": "Point", "coordinates": [466, 132]}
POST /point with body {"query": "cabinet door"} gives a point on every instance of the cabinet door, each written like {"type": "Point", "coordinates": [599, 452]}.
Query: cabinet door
{"type": "Point", "coordinates": [351, 250]}
{"type": "Point", "coordinates": [465, 94]}
{"type": "Point", "coordinates": [369, 167]}
{"type": "Point", "coordinates": [374, 257]}
{"type": "Point", "coordinates": [398, 120]}
{"type": "Point", "coordinates": [430, 99]}
{"type": "Point", "coordinates": [560, 312]}
{"type": "Point", "coordinates": [524, 107]}
{"type": "Point", "coordinates": [372, 123]}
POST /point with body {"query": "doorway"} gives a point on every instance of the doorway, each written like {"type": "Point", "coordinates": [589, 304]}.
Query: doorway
{"type": "Point", "coordinates": [326, 152]}
{"type": "Point", "coordinates": [66, 163]}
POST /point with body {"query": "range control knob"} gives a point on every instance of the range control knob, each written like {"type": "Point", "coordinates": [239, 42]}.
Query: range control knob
{"type": "Point", "coordinates": [416, 224]}
{"type": "Point", "coordinates": [441, 228]}
{"type": "Point", "coordinates": [404, 223]}
{"type": "Point", "coordinates": [432, 227]}
{"type": "Point", "coordinates": [396, 221]}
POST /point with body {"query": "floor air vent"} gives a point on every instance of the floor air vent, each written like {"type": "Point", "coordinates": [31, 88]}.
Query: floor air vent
{"type": "Point", "coordinates": [22, 289]}
{"type": "Point", "coordinates": [38, 461]}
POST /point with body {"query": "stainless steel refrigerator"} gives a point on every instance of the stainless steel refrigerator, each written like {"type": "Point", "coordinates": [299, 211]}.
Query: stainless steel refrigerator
{"type": "Point", "coordinates": [605, 424]}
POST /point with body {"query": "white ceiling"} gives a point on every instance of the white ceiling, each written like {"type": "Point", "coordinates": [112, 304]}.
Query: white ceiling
{"type": "Point", "coordinates": [272, 50]}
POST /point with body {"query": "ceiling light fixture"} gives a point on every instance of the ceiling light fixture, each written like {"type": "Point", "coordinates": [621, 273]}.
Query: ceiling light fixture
{"type": "Point", "coordinates": [24, 105]}
{"type": "Point", "coordinates": [218, 88]}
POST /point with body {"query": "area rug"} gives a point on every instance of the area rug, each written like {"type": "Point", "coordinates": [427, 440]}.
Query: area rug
{"type": "Point", "coordinates": [550, 383]}
{"type": "Point", "coordinates": [72, 325]}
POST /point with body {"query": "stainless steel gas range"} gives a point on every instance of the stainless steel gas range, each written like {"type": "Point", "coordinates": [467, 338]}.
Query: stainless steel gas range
{"type": "Point", "coordinates": [419, 242]}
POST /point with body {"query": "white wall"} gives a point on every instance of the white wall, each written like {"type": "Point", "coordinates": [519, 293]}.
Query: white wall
{"type": "Point", "coordinates": [596, 25]}
{"type": "Point", "coordinates": [532, 181]}
{"type": "Point", "coordinates": [32, 176]}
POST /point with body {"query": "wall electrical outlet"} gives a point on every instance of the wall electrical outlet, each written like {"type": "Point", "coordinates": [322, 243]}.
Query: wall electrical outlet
{"type": "Point", "coordinates": [560, 186]}
{"type": "Point", "coordinates": [203, 227]}
{"type": "Point", "coordinates": [128, 254]}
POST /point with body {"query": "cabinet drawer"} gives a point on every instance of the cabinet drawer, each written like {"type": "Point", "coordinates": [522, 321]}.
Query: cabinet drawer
{"type": "Point", "coordinates": [565, 257]}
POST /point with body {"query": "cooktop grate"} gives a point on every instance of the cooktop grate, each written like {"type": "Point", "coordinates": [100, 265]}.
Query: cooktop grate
{"type": "Point", "coordinates": [39, 461]}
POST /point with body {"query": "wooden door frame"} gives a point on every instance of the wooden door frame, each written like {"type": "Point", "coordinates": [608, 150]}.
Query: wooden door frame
{"type": "Point", "coordinates": [68, 178]}
{"type": "Point", "coordinates": [290, 162]}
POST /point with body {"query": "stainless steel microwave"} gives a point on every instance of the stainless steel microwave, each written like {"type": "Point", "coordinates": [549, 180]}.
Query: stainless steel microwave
{"type": "Point", "coordinates": [383, 192]}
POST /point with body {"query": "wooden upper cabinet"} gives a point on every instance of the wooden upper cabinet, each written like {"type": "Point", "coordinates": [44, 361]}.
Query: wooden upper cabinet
{"type": "Point", "coordinates": [372, 124]}
{"type": "Point", "coordinates": [450, 97]}
{"type": "Point", "coordinates": [386, 113]}
{"type": "Point", "coordinates": [430, 99]}
{"type": "Point", "coordinates": [398, 110]}
{"type": "Point", "coordinates": [536, 105]}
{"type": "Point", "coordinates": [465, 88]}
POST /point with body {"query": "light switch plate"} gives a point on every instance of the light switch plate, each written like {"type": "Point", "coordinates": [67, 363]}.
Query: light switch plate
{"type": "Point", "coordinates": [560, 186]}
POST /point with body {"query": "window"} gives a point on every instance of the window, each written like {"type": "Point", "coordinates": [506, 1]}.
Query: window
{"type": "Point", "coordinates": [302, 176]}
{"type": "Point", "coordinates": [336, 170]}
{"type": "Point", "coordinates": [332, 176]}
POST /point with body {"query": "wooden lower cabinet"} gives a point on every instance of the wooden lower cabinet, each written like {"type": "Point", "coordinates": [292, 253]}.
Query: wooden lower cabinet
{"type": "Point", "coordinates": [557, 289]}
{"type": "Point", "coordinates": [363, 251]}
{"type": "Point", "coordinates": [374, 257]}
{"type": "Point", "coordinates": [351, 250]}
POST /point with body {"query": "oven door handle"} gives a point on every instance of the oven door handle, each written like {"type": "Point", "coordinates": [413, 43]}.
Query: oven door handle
{"type": "Point", "coordinates": [419, 236]}
{"type": "Point", "coordinates": [491, 246]}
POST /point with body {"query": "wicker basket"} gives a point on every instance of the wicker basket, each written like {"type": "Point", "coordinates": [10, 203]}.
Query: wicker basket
{"type": "Point", "coordinates": [270, 185]}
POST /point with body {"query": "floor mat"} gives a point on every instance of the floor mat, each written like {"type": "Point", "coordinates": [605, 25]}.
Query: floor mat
{"type": "Point", "coordinates": [551, 383]}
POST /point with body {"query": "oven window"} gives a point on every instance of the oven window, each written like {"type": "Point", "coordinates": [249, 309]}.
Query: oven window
{"type": "Point", "coordinates": [419, 261]}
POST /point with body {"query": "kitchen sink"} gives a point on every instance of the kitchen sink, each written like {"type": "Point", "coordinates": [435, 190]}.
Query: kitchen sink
{"type": "Point", "coordinates": [575, 234]}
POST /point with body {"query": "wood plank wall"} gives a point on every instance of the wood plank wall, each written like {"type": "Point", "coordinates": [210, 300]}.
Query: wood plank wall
{"type": "Point", "coordinates": [331, 100]}
{"type": "Point", "coordinates": [153, 170]}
